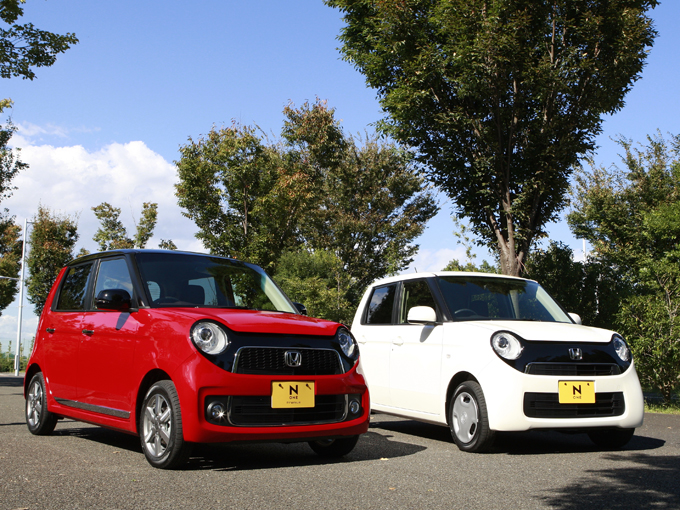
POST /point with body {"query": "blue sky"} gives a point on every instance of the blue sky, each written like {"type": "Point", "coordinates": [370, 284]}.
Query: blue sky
{"type": "Point", "coordinates": [106, 121]}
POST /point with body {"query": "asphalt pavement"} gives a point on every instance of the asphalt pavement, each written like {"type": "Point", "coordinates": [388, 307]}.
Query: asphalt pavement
{"type": "Point", "coordinates": [397, 464]}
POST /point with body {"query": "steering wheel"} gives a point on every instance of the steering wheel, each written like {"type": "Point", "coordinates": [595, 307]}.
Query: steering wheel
{"type": "Point", "coordinates": [465, 312]}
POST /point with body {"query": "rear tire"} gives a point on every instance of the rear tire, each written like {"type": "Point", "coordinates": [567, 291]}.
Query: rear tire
{"type": "Point", "coordinates": [39, 420]}
{"type": "Point", "coordinates": [334, 447]}
{"type": "Point", "coordinates": [468, 419]}
{"type": "Point", "coordinates": [611, 439]}
{"type": "Point", "coordinates": [160, 427]}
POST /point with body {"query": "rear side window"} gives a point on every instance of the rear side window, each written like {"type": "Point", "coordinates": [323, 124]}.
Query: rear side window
{"type": "Point", "coordinates": [74, 288]}
{"type": "Point", "coordinates": [380, 305]}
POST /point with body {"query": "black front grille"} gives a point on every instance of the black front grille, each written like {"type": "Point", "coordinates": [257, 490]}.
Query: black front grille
{"type": "Point", "coordinates": [257, 411]}
{"type": "Point", "coordinates": [272, 361]}
{"type": "Point", "coordinates": [573, 369]}
{"type": "Point", "coordinates": [547, 405]}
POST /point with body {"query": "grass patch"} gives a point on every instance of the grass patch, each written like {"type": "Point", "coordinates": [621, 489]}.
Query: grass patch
{"type": "Point", "coordinates": [652, 407]}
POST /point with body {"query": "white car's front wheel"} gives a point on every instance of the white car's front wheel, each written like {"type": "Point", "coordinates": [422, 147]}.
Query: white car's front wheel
{"type": "Point", "coordinates": [468, 418]}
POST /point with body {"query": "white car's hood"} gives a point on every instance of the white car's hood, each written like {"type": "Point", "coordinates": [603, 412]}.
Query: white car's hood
{"type": "Point", "coordinates": [545, 331]}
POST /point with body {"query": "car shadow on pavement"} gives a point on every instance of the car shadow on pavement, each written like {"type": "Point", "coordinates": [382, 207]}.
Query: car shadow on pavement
{"type": "Point", "coordinates": [534, 442]}
{"type": "Point", "coordinates": [651, 482]}
{"type": "Point", "coordinates": [243, 456]}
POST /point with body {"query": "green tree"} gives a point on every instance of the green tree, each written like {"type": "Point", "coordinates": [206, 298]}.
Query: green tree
{"type": "Point", "coordinates": [631, 217]}
{"type": "Point", "coordinates": [499, 98]}
{"type": "Point", "coordinates": [316, 189]}
{"type": "Point", "coordinates": [317, 280]}
{"type": "Point", "coordinates": [371, 202]}
{"type": "Point", "coordinates": [10, 260]}
{"type": "Point", "coordinates": [245, 200]}
{"type": "Point", "coordinates": [24, 47]}
{"type": "Point", "coordinates": [52, 240]}
{"type": "Point", "coordinates": [112, 234]}
{"type": "Point", "coordinates": [484, 267]}
{"type": "Point", "coordinates": [10, 246]}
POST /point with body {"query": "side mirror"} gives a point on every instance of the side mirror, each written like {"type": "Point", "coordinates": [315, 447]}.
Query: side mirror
{"type": "Point", "coordinates": [576, 318]}
{"type": "Point", "coordinates": [422, 315]}
{"type": "Point", "coordinates": [114, 299]}
{"type": "Point", "coordinates": [301, 308]}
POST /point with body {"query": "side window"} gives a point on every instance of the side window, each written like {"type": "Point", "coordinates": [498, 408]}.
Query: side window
{"type": "Point", "coordinates": [415, 293]}
{"type": "Point", "coordinates": [380, 305]}
{"type": "Point", "coordinates": [113, 274]}
{"type": "Point", "coordinates": [74, 288]}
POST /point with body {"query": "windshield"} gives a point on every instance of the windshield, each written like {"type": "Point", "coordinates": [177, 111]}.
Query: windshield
{"type": "Point", "coordinates": [484, 298]}
{"type": "Point", "coordinates": [181, 280]}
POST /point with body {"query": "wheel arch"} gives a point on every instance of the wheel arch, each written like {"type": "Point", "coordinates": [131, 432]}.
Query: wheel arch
{"type": "Point", "coordinates": [30, 372]}
{"type": "Point", "coordinates": [455, 381]}
{"type": "Point", "coordinates": [149, 380]}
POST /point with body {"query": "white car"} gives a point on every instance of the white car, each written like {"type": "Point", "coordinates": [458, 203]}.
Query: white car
{"type": "Point", "coordinates": [483, 353]}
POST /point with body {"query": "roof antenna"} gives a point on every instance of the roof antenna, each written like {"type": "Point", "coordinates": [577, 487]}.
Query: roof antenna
{"type": "Point", "coordinates": [414, 267]}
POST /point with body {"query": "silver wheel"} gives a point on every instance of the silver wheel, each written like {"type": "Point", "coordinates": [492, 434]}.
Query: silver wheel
{"type": "Point", "coordinates": [34, 404]}
{"type": "Point", "coordinates": [157, 425]}
{"type": "Point", "coordinates": [465, 417]}
{"type": "Point", "coordinates": [39, 420]}
{"type": "Point", "coordinates": [160, 427]}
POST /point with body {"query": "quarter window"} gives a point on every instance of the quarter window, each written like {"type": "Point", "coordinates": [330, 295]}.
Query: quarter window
{"type": "Point", "coordinates": [74, 288]}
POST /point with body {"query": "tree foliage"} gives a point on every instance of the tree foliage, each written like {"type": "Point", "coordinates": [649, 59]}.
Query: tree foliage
{"type": "Point", "coordinates": [631, 217]}
{"type": "Point", "coordinates": [499, 98]}
{"type": "Point", "coordinates": [10, 260]}
{"type": "Point", "coordinates": [112, 234]}
{"type": "Point", "coordinates": [316, 189]}
{"type": "Point", "coordinates": [318, 280]}
{"type": "Point", "coordinates": [52, 241]}
{"type": "Point", "coordinates": [24, 47]}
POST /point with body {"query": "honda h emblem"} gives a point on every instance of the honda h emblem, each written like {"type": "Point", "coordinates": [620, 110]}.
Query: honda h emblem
{"type": "Point", "coordinates": [575, 353]}
{"type": "Point", "coordinates": [293, 358]}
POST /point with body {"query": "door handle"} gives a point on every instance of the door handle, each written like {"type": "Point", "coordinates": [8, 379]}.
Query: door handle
{"type": "Point", "coordinates": [398, 341]}
{"type": "Point", "coordinates": [361, 339]}
{"type": "Point", "coordinates": [88, 332]}
{"type": "Point", "coordinates": [50, 330]}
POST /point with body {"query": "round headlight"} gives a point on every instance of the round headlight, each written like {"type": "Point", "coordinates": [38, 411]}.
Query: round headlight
{"type": "Point", "coordinates": [621, 348]}
{"type": "Point", "coordinates": [506, 345]}
{"type": "Point", "coordinates": [209, 337]}
{"type": "Point", "coordinates": [346, 340]}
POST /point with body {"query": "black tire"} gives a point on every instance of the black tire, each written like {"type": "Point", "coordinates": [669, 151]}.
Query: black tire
{"type": "Point", "coordinates": [611, 438]}
{"type": "Point", "coordinates": [468, 418]}
{"type": "Point", "coordinates": [160, 427]}
{"type": "Point", "coordinates": [39, 420]}
{"type": "Point", "coordinates": [334, 447]}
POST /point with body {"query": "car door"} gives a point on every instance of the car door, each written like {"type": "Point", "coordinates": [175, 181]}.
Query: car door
{"type": "Point", "coordinates": [375, 341]}
{"type": "Point", "coordinates": [415, 359]}
{"type": "Point", "coordinates": [107, 346]}
{"type": "Point", "coordinates": [63, 331]}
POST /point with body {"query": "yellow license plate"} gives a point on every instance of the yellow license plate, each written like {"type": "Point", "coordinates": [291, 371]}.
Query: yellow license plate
{"type": "Point", "coordinates": [577, 392]}
{"type": "Point", "coordinates": [289, 394]}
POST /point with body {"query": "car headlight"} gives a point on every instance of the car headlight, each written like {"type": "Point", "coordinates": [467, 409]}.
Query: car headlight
{"type": "Point", "coordinates": [621, 347]}
{"type": "Point", "coordinates": [209, 338]}
{"type": "Point", "coordinates": [347, 342]}
{"type": "Point", "coordinates": [506, 345]}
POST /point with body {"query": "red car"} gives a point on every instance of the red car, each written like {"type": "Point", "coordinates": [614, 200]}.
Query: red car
{"type": "Point", "coordinates": [183, 348]}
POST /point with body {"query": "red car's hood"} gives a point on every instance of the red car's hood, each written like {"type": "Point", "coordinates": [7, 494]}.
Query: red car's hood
{"type": "Point", "coordinates": [256, 321]}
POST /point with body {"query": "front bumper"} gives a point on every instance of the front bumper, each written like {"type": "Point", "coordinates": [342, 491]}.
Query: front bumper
{"type": "Point", "coordinates": [199, 382]}
{"type": "Point", "coordinates": [517, 401]}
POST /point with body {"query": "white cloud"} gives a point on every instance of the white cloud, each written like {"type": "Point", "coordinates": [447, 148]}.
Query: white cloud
{"type": "Point", "coordinates": [435, 260]}
{"type": "Point", "coordinates": [71, 180]}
